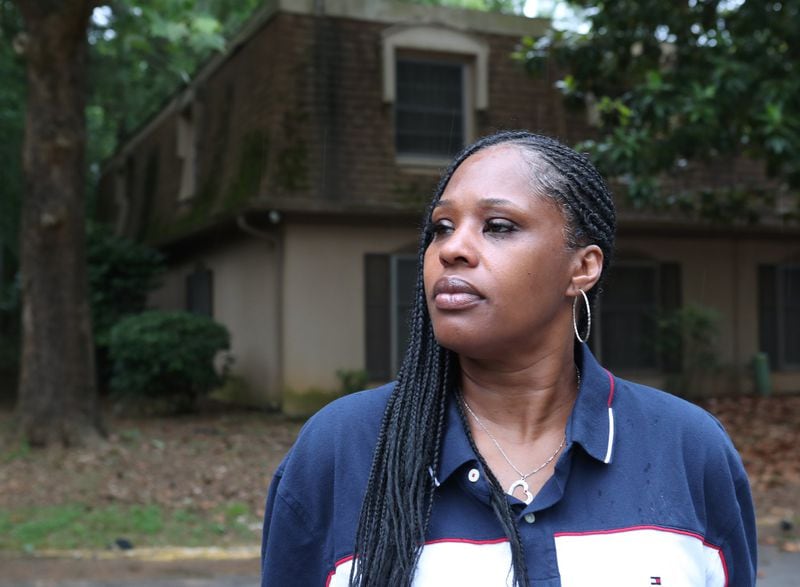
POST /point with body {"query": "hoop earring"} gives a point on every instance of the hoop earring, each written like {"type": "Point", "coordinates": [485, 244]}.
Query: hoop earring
{"type": "Point", "coordinates": [588, 317]}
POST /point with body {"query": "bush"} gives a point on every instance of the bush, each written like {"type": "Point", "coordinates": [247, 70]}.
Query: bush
{"type": "Point", "coordinates": [690, 335]}
{"type": "Point", "coordinates": [121, 274]}
{"type": "Point", "coordinates": [352, 380]}
{"type": "Point", "coordinates": [166, 356]}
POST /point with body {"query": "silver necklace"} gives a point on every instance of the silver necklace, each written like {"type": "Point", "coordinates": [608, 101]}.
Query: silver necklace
{"type": "Point", "coordinates": [522, 482]}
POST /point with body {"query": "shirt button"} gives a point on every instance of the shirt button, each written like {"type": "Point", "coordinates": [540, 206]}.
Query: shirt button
{"type": "Point", "coordinates": [530, 518]}
{"type": "Point", "coordinates": [474, 475]}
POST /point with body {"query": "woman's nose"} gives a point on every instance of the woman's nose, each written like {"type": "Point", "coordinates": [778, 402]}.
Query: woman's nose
{"type": "Point", "coordinates": [458, 247]}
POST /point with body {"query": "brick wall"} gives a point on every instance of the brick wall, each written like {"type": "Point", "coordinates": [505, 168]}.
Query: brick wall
{"type": "Point", "coordinates": [294, 119]}
{"type": "Point", "coordinates": [355, 156]}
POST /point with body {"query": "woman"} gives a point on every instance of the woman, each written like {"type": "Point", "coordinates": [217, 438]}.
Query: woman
{"type": "Point", "coordinates": [504, 454]}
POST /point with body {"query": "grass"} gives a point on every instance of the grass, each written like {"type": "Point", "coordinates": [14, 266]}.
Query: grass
{"type": "Point", "coordinates": [74, 526]}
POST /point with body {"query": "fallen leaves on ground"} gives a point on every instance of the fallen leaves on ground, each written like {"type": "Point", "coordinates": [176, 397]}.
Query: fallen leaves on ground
{"type": "Point", "coordinates": [204, 460]}
{"type": "Point", "coordinates": [195, 461]}
{"type": "Point", "coordinates": [766, 431]}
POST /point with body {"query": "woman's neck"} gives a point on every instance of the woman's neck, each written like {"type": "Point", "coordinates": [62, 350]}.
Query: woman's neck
{"type": "Point", "coordinates": [526, 399]}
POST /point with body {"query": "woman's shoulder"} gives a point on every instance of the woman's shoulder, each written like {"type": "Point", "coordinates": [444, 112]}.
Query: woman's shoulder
{"type": "Point", "coordinates": [315, 496]}
{"type": "Point", "coordinates": [348, 425]}
{"type": "Point", "coordinates": [663, 415]}
{"type": "Point", "coordinates": [362, 409]}
{"type": "Point", "coordinates": [661, 404]}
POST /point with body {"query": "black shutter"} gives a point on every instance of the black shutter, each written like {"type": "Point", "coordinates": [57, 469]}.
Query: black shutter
{"type": "Point", "coordinates": [670, 273]}
{"type": "Point", "coordinates": [378, 316]}
{"type": "Point", "coordinates": [768, 313]}
{"type": "Point", "coordinates": [199, 296]}
{"type": "Point", "coordinates": [789, 298]}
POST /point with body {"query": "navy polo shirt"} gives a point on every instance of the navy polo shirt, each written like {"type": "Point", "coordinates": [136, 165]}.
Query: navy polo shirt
{"type": "Point", "coordinates": [647, 491]}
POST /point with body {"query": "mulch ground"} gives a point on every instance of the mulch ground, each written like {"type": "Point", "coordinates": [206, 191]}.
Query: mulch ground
{"type": "Point", "coordinates": [221, 456]}
{"type": "Point", "coordinates": [195, 462]}
{"type": "Point", "coordinates": [766, 431]}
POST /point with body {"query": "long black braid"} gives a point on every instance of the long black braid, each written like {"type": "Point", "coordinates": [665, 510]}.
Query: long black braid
{"type": "Point", "coordinates": [397, 506]}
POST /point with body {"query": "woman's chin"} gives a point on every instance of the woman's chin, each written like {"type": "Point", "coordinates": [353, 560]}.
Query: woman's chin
{"type": "Point", "coordinates": [464, 345]}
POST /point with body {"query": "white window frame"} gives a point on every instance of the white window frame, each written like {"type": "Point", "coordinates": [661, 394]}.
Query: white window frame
{"type": "Point", "coordinates": [453, 45]}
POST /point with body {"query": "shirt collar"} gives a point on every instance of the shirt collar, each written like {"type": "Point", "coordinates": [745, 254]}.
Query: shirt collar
{"type": "Point", "coordinates": [456, 449]}
{"type": "Point", "coordinates": [591, 423]}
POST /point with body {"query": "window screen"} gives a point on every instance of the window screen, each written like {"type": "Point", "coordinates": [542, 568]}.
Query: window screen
{"type": "Point", "coordinates": [629, 312]}
{"type": "Point", "coordinates": [429, 108]}
{"type": "Point", "coordinates": [779, 314]}
{"type": "Point", "coordinates": [404, 276]}
{"type": "Point", "coordinates": [389, 281]}
{"type": "Point", "coordinates": [791, 315]}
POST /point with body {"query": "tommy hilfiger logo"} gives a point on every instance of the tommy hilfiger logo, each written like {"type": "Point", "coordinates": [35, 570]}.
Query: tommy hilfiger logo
{"type": "Point", "coordinates": [655, 580]}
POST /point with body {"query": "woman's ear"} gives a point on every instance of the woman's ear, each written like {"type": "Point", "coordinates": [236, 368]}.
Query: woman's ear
{"type": "Point", "coordinates": [587, 268]}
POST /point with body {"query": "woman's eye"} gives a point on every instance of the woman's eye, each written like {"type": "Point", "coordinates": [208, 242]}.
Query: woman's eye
{"type": "Point", "coordinates": [498, 225]}
{"type": "Point", "coordinates": [441, 227]}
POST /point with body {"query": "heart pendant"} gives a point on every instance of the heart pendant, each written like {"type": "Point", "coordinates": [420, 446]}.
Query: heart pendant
{"type": "Point", "coordinates": [525, 489]}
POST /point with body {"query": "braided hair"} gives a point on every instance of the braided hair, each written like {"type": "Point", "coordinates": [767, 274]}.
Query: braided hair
{"type": "Point", "coordinates": [397, 506]}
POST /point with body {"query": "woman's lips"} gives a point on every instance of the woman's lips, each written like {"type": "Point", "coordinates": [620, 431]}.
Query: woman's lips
{"type": "Point", "coordinates": [454, 293]}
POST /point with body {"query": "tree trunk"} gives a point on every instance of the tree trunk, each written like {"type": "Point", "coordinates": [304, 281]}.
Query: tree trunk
{"type": "Point", "coordinates": [57, 400]}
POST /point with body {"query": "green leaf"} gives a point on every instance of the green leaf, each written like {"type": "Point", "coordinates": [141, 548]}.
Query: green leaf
{"type": "Point", "coordinates": [723, 86]}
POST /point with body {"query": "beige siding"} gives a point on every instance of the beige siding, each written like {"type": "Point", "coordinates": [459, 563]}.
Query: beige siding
{"type": "Point", "coordinates": [721, 273]}
{"type": "Point", "coordinates": [751, 255]}
{"type": "Point", "coordinates": [324, 299]}
{"type": "Point", "coordinates": [245, 301]}
{"type": "Point", "coordinates": [706, 274]}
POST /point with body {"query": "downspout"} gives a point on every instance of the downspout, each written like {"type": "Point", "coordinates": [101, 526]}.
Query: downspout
{"type": "Point", "coordinates": [276, 245]}
{"type": "Point", "coordinates": [246, 227]}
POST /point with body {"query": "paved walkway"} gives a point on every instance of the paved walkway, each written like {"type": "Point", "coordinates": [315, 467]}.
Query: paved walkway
{"type": "Point", "coordinates": [218, 582]}
{"type": "Point", "coordinates": [777, 569]}
{"type": "Point", "coordinates": [128, 572]}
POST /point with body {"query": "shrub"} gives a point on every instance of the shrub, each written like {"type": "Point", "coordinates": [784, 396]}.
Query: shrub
{"type": "Point", "coordinates": [690, 335]}
{"type": "Point", "coordinates": [352, 380]}
{"type": "Point", "coordinates": [166, 356]}
{"type": "Point", "coordinates": [121, 274]}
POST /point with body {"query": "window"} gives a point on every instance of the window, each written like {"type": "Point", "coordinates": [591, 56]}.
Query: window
{"type": "Point", "coordinates": [389, 284]}
{"type": "Point", "coordinates": [435, 78]}
{"type": "Point", "coordinates": [429, 109]}
{"type": "Point", "coordinates": [124, 185]}
{"type": "Point", "coordinates": [199, 292]}
{"type": "Point", "coordinates": [187, 152]}
{"type": "Point", "coordinates": [148, 193]}
{"type": "Point", "coordinates": [635, 296]}
{"type": "Point", "coordinates": [779, 314]}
